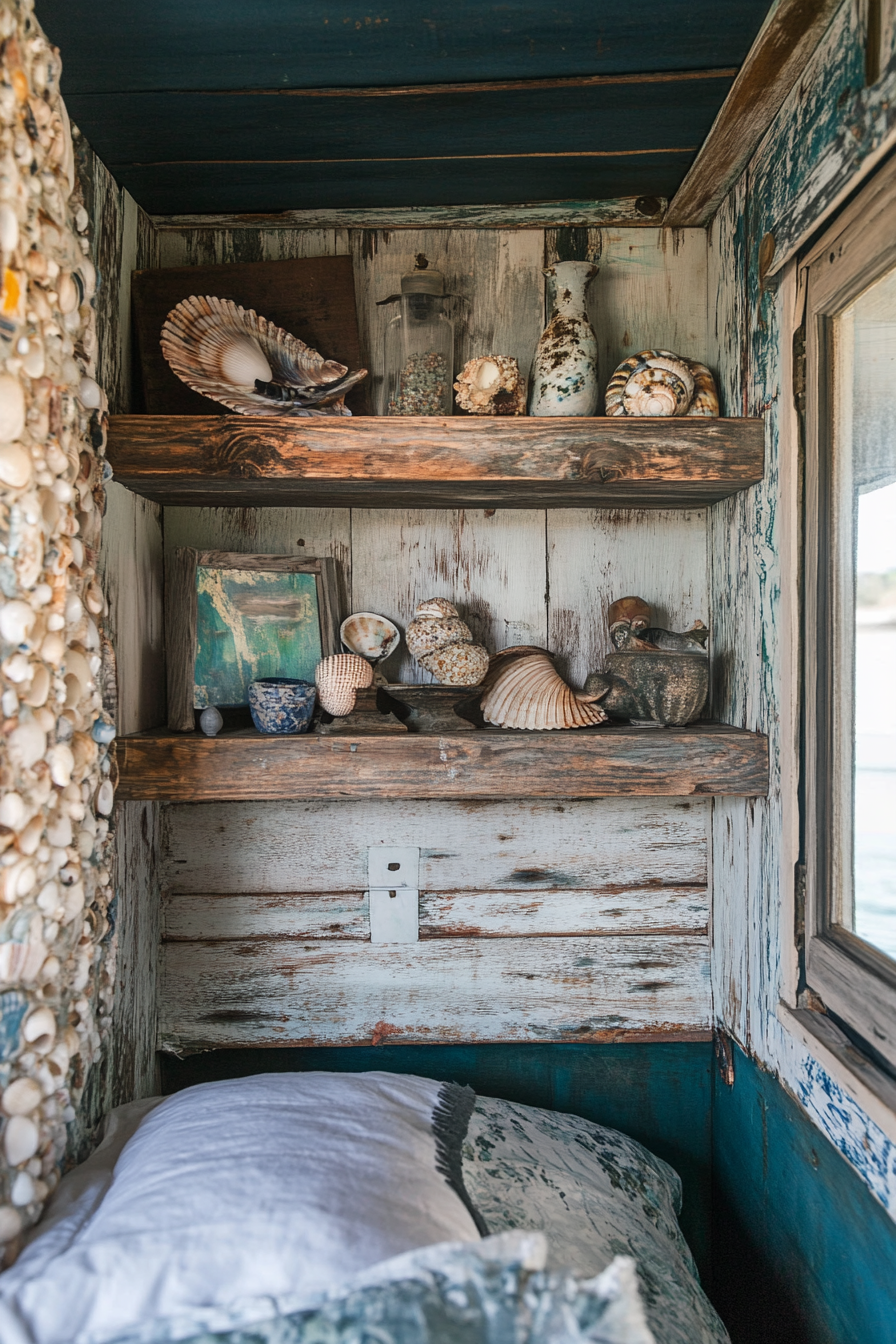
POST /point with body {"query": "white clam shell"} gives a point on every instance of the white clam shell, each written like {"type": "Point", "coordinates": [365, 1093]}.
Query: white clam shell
{"type": "Point", "coordinates": [20, 1139]}
{"type": "Point", "coordinates": [10, 1223]}
{"type": "Point", "coordinates": [39, 1030]}
{"type": "Point", "coordinates": [91, 393]}
{"type": "Point", "coordinates": [16, 621]}
{"type": "Point", "coordinates": [13, 812]}
{"type": "Point", "coordinates": [528, 692]}
{"type": "Point", "coordinates": [369, 635]}
{"type": "Point", "coordinates": [9, 228]}
{"type": "Point", "coordinates": [105, 797]}
{"type": "Point", "coordinates": [338, 678]}
{"type": "Point", "coordinates": [12, 407]}
{"type": "Point", "coordinates": [22, 1191]}
{"type": "Point", "coordinates": [15, 465]}
{"type": "Point", "coordinates": [27, 743]}
{"type": "Point", "coordinates": [21, 1097]}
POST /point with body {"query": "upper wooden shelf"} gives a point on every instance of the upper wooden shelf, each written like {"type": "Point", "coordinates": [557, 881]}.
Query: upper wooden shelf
{"type": "Point", "coordinates": [704, 759]}
{"type": "Point", "coordinates": [422, 462]}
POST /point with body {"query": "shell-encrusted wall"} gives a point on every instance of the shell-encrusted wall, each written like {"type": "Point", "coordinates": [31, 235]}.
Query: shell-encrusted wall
{"type": "Point", "coordinates": [57, 773]}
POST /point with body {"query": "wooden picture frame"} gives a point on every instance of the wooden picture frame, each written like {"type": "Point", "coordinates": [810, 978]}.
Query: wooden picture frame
{"type": "Point", "coordinates": [182, 616]}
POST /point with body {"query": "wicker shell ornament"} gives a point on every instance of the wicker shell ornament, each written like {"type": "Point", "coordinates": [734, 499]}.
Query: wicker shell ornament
{"type": "Point", "coordinates": [491, 385]}
{"type": "Point", "coordinates": [338, 679]}
{"type": "Point", "coordinates": [523, 689]}
{"type": "Point", "coordinates": [233, 356]}
{"type": "Point", "coordinates": [443, 644]}
{"type": "Point", "coordinates": [659, 382]}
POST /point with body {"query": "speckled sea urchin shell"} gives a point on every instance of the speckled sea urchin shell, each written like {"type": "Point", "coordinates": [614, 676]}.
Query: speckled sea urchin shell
{"type": "Point", "coordinates": [338, 679]}
{"type": "Point", "coordinates": [443, 644]}
{"type": "Point", "coordinates": [659, 382]}
{"type": "Point", "coordinates": [491, 385]}
{"type": "Point", "coordinates": [528, 692]}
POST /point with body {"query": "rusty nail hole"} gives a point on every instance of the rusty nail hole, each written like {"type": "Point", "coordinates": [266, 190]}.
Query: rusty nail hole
{"type": "Point", "coordinates": [393, 867]}
{"type": "Point", "coordinates": [647, 205]}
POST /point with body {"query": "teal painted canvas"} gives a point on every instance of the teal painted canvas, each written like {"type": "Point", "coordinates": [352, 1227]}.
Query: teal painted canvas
{"type": "Point", "coordinates": [252, 623]}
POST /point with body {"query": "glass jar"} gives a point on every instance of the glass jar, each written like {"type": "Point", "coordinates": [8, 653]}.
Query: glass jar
{"type": "Point", "coordinates": [419, 349]}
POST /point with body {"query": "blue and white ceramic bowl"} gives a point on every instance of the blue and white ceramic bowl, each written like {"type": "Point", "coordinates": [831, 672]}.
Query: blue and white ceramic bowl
{"type": "Point", "coordinates": [282, 704]}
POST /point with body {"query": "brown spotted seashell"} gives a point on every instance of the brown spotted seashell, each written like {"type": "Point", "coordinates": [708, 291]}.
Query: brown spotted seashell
{"type": "Point", "coordinates": [443, 644]}
{"type": "Point", "coordinates": [491, 385]}
{"type": "Point", "coordinates": [233, 356]}
{"type": "Point", "coordinates": [338, 678]}
{"type": "Point", "coordinates": [659, 382]}
{"type": "Point", "coordinates": [528, 692]}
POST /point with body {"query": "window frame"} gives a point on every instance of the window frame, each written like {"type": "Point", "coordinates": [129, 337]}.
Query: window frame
{"type": "Point", "coordinates": [855, 980]}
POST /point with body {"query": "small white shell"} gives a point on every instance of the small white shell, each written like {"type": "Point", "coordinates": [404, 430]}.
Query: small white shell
{"type": "Point", "coordinates": [10, 1223]}
{"type": "Point", "coordinates": [39, 1030]}
{"type": "Point", "coordinates": [22, 1191]}
{"type": "Point", "coordinates": [491, 385]}
{"type": "Point", "coordinates": [16, 621]}
{"type": "Point", "coordinates": [528, 692]}
{"type": "Point", "coordinates": [27, 743]}
{"type": "Point", "coordinates": [105, 797]}
{"type": "Point", "coordinates": [21, 1097]}
{"type": "Point", "coordinates": [12, 408]}
{"type": "Point", "coordinates": [91, 393]}
{"type": "Point", "coordinates": [338, 678]}
{"type": "Point", "coordinates": [9, 229]}
{"type": "Point", "coordinates": [20, 1139]}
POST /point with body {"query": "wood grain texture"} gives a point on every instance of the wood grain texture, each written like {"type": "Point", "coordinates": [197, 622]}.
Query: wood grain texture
{"type": "Point", "coordinates": [631, 211]}
{"type": "Point", "coordinates": [595, 557]}
{"type": "Point", "coordinates": [491, 564]}
{"type": "Point", "coordinates": [204, 917]}
{"type": "Point", "coordinates": [587, 763]}
{"type": "Point", "coordinates": [774, 64]}
{"type": "Point", "coordinates": [509, 844]}
{"type": "Point", "coordinates": [137, 921]}
{"type": "Point", "coordinates": [468, 461]}
{"type": "Point", "coordinates": [275, 992]}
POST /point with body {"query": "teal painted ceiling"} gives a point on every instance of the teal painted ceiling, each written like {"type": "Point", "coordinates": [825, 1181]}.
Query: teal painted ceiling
{"type": "Point", "coordinates": [205, 106]}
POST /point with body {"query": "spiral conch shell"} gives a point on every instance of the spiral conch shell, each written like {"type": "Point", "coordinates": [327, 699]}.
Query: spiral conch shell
{"type": "Point", "coordinates": [338, 679]}
{"type": "Point", "coordinates": [491, 385]}
{"type": "Point", "coordinates": [525, 690]}
{"type": "Point", "coordinates": [443, 644]}
{"type": "Point", "coordinates": [233, 356]}
{"type": "Point", "coordinates": [659, 382]}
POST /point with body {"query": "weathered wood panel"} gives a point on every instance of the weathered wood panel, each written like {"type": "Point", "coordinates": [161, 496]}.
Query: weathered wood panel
{"type": "Point", "coordinates": [596, 557]}
{"type": "Point", "coordinates": [490, 563]}
{"type": "Point", "coordinates": [137, 920]}
{"type": "Point", "coordinates": [506, 845]}
{"type": "Point", "coordinates": [203, 917]}
{"type": "Point", "coordinates": [588, 763]}
{"type": "Point", "coordinates": [275, 992]}
{"type": "Point", "coordinates": [775, 62]}
{"type": "Point", "coordinates": [519, 462]}
{"type": "Point", "coordinates": [630, 211]}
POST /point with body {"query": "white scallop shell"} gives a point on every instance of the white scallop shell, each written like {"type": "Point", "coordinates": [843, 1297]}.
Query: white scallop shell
{"type": "Point", "coordinates": [528, 692]}
{"type": "Point", "coordinates": [219, 349]}
{"type": "Point", "coordinates": [338, 678]}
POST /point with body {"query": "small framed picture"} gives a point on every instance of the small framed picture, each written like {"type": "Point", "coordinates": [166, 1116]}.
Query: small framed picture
{"type": "Point", "coordinates": [232, 618]}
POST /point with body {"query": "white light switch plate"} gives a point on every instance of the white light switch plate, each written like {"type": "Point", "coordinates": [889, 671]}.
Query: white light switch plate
{"type": "Point", "coordinates": [393, 866]}
{"type": "Point", "coordinates": [393, 914]}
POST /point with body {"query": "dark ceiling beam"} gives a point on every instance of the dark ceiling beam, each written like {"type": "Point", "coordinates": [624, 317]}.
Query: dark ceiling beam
{"type": "Point", "coordinates": [774, 63]}
{"type": "Point", "coordinates": [409, 158]}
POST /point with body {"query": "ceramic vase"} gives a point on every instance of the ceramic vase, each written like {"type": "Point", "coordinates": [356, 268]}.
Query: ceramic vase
{"type": "Point", "coordinates": [564, 371]}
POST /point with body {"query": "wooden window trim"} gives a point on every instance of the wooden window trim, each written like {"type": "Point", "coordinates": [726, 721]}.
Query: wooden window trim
{"type": "Point", "coordinates": [854, 979]}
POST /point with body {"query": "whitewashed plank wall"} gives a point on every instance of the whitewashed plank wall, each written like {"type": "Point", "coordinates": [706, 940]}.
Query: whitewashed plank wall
{"type": "Point", "coordinates": [624, 876]}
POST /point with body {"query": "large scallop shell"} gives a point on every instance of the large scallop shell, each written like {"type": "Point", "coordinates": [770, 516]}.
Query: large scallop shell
{"type": "Point", "coordinates": [528, 692]}
{"type": "Point", "coordinates": [338, 678]}
{"type": "Point", "coordinates": [659, 382]}
{"type": "Point", "coordinates": [222, 351]}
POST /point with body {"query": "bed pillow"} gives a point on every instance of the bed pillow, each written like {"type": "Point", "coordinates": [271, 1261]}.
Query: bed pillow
{"type": "Point", "coordinates": [489, 1292]}
{"type": "Point", "coordinates": [252, 1188]}
{"type": "Point", "coordinates": [596, 1194]}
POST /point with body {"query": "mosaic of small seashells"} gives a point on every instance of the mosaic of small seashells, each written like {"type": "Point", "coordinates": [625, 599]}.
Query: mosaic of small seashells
{"type": "Point", "coordinates": [57, 768]}
{"type": "Point", "coordinates": [248, 364]}
{"type": "Point", "coordinates": [659, 382]}
{"type": "Point", "coordinates": [523, 689]}
{"type": "Point", "coordinates": [491, 385]}
{"type": "Point", "coordinates": [443, 644]}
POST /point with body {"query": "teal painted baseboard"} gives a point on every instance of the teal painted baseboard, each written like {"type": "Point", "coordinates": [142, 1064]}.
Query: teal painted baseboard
{"type": "Point", "coordinates": [802, 1251]}
{"type": "Point", "coordinates": [658, 1093]}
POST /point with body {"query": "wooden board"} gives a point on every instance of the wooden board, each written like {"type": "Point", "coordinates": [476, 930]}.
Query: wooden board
{"type": "Point", "coordinates": [312, 298]}
{"type": "Point", "coordinates": [290, 992]}
{"type": "Point", "coordinates": [468, 461]}
{"type": "Point", "coordinates": [448, 914]}
{"type": "Point", "coordinates": [586, 763]}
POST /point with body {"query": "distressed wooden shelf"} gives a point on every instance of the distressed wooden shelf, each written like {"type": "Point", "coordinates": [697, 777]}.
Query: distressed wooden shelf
{"type": "Point", "coordinates": [423, 462]}
{"type": "Point", "coordinates": [705, 759]}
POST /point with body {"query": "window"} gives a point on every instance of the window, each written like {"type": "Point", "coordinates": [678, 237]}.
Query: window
{"type": "Point", "coordinates": [850, 617]}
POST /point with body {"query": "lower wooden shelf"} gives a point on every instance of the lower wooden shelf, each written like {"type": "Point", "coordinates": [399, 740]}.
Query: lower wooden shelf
{"type": "Point", "coordinates": [704, 758]}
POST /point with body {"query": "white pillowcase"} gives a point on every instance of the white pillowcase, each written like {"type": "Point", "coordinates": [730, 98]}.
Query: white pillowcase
{"type": "Point", "coordinates": [196, 1213]}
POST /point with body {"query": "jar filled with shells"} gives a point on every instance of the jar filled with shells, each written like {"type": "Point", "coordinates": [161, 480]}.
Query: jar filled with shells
{"type": "Point", "coordinates": [418, 351]}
